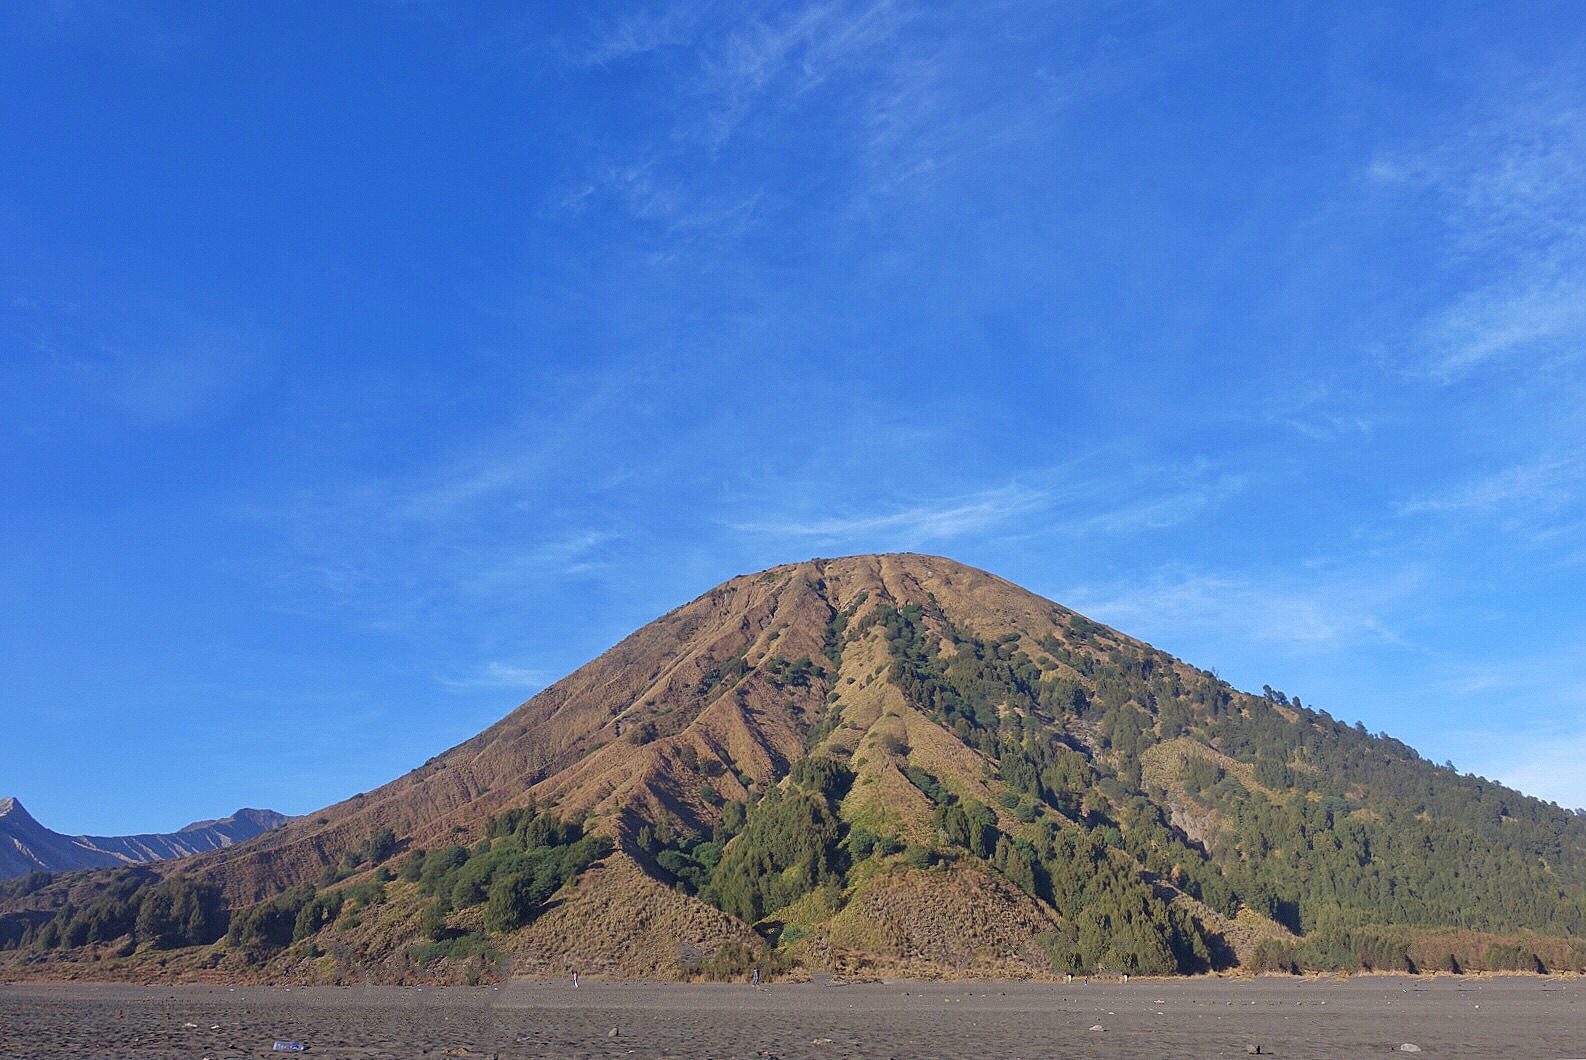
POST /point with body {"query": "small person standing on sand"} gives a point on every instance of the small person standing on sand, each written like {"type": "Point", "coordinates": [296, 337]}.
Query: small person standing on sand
{"type": "Point", "coordinates": [755, 981]}
{"type": "Point", "coordinates": [575, 978]}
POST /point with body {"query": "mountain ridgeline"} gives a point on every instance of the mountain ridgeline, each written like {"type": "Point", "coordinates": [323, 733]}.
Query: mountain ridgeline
{"type": "Point", "coordinates": [27, 846]}
{"type": "Point", "coordinates": [872, 765]}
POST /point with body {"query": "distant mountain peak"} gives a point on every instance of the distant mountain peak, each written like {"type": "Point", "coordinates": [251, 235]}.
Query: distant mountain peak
{"type": "Point", "coordinates": [28, 846]}
{"type": "Point", "coordinates": [263, 819]}
{"type": "Point", "coordinates": [11, 809]}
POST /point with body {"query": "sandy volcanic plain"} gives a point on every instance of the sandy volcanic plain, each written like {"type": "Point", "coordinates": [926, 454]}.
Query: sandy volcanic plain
{"type": "Point", "coordinates": [1516, 1016]}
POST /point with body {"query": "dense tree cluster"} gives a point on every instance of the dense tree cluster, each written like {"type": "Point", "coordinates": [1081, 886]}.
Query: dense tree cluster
{"type": "Point", "coordinates": [1320, 825]}
{"type": "Point", "coordinates": [1113, 921]}
{"type": "Point", "coordinates": [795, 674]}
{"type": "Point", "coordinates": [790, 845]}
{"type": "Point", "coordinates": [373, 851]}
{"type": "Point", "coordinates": [133, 904]}
{"type": "Point", "coordinates": [273, 925]}
{"type": "Point", "coordinates": [525, 858]}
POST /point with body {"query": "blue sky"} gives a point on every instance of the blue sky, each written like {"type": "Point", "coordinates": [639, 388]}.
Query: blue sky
{"type": "Point", "coordinates": [367, 366]}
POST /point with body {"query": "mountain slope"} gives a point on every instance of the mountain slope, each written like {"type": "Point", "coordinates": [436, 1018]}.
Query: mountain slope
{"type": "Point", "coordinates": [27, 846]}
{"type": "Point", "coordinates": [865, 764]}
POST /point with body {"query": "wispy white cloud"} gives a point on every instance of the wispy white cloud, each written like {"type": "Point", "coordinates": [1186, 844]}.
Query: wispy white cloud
{"type": "Point", "coordinates": [723, 79]}
{"type": "Point", "coordinates": [1511, 185]}
{"type": "Point", "coordinates": [1317, 409]}
{"type": "Point", "coordinates": [738, 52]}
{"type": "Point", "coordinates": [638, 33]}
{"type": "Point", "coordinates": [650, 192]}
{"type": "Point", "coordinates": [152, 366]}
{"type": "Point", "coordinates": [907, 97]}
{"type": "Point", "coordinates": [946, 518]}
{"type": "Point", "coordinates": [1307, 610]}
{"type": "Point", "coordinates": [404, 575]}
{"type": "Point", "coordinates": [1546, 484]}
{"type": "Point", "coordinates": [485, 523]}
{"type": "Point", "coordinates": [883, 79]}
{"type": "Point", "coordinates": [1536, 506]}
{"type": "Point", "coordinates": [1154, 510]}
{"type": "Point", "coordinates": [1547, 765]}
{"type": "Point", "coordinates": [772, 56]}
{"type": "Point", "coordinates": [1539, 750]}
{"type": "Point", "coordinates": [1087, 497]}
{"type": "Point", "coordinates": [1548, 768]}
{"type": "Point", "coordinates": [496, 675]}
{"type": "Point", "coordinates": [172, 382]}
{"type": "Point", "coordinates": [1559, 674]}
{"type": "Point", "coordinates": [1542, 314]}
{"type": "Point", "coordinates": [507, 568]}
{"type": "Point", "coordinates": [1539, 759]}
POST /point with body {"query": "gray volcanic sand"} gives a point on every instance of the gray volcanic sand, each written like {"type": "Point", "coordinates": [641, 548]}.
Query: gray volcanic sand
{"type": "Point", "coordinates": [1446, 1016]}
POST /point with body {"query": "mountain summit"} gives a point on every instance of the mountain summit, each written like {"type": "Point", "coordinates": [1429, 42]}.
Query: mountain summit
{"type": "Point", "coordinates": [877, 764]}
